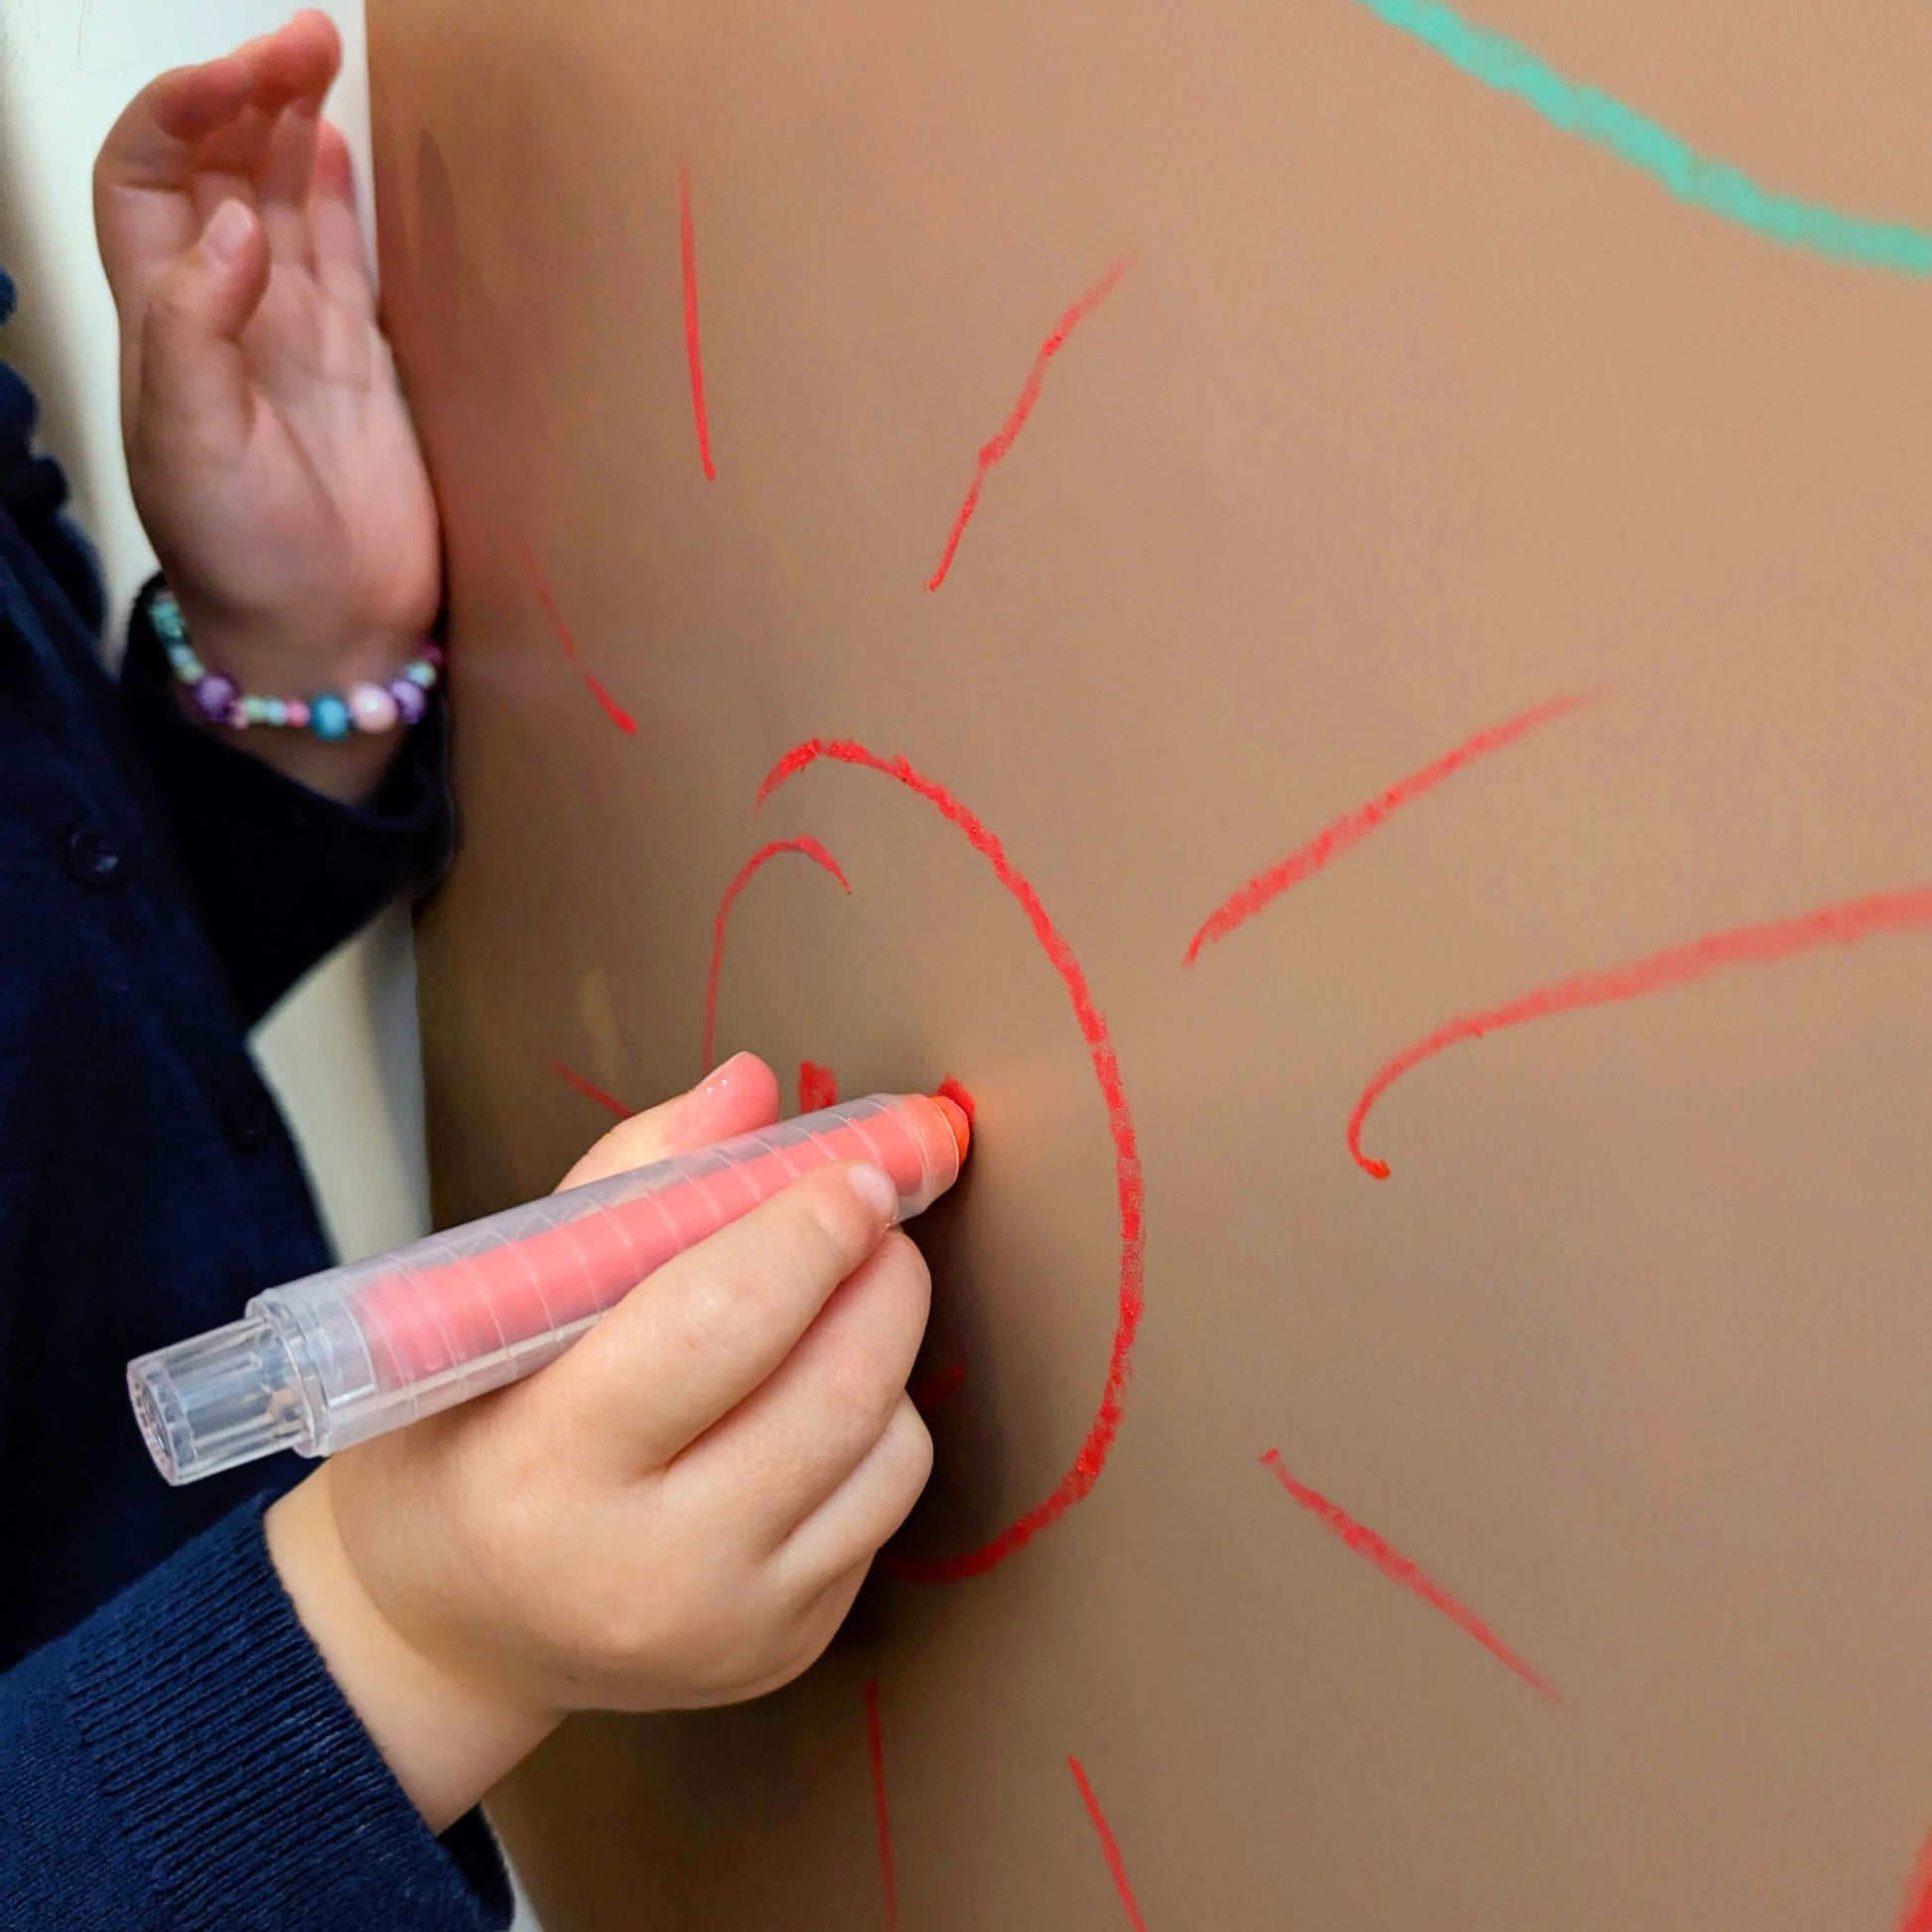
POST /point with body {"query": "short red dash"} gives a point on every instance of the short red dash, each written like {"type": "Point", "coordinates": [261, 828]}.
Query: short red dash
{"type": "Point", "coordinates": [1109, 1850]}
{"type": "Point", "coordinates": [1401, 1570]}
{"type": "Point", "coordinates": [927, 1392]}
{"type": "Point", "coordinates": [876, 1742]}
{"type": "Point", "coordinates": [540, 584]}
{"type": "Point", "coordinates": [818, 1086]}
{"type": "Point", "coordinates": [1918, 1895]}
{"type": "Point", "coordinates": [807, 848]}
{"type": "Point", "coordinates": [1009, 432]}
{"type": "Point", "coordinates": [1352, 827]}
{"type": "Point", "coordinates": [693, 348]}
{"type": "Point", "coordinates": [951, 1089]}
{"type": "Point", "coordinates": [1130, 1195]}
{"type": "Point", "coordinates": [1766, 944]}
{"type": "Point", "coordinates": [572, 1079]}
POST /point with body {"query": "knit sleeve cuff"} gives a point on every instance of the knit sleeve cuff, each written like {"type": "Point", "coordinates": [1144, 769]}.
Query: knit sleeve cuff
{"type": "Point", "coordinates": [239, 1775]}
{"type": "Point", "coordinates": [279, 873]}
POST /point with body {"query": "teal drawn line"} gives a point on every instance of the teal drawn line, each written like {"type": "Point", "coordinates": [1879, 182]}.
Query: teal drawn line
{"type": "Point", "coordinates": [1500, 63]}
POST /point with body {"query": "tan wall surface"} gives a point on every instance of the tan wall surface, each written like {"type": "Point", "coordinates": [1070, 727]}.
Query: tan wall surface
{"type": "Point", "coordinates": [1588, 1588]}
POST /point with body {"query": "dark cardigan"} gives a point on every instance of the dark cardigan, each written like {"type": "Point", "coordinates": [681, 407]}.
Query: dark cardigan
{"type": "Point", "coordinates": [172, 1751]}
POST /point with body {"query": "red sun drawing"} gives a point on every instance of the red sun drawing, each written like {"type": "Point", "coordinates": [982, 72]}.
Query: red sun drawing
{"type": "Point", "coordinates": [1656, 966]}
{"type": "Point", "coordinates": [1089, 1458]}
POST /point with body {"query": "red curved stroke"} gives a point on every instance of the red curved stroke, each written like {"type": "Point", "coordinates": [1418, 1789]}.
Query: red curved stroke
{"type": "Point", "coordinates": [1401, 1570]}
{"type": "Point", "coordinates": [1109, 1848]}
{"type": "Point", "coordinates": [687, 242]}
{"type": "Point", "coordinates": [572, 1079]}
{"type": "Point", "coordinates": [1352, 827]}
{"type": "Point", "coordinates": [1098, 1446]}
{"type": "Point", "coordinates": [541, 585]}
{"type": "Point", "coordinates": [1918, 1895]}
{"type": "Point", "coordinates": [806, 847]}
{"type": "Point", "coordinates": [1009, 432]}
{"type": "Point", "coordinates": [818, 1088]}
{"type": "Point", "coordinates": [1766, 944]}
{"type": "Point", "coordinates": [882, 1810]}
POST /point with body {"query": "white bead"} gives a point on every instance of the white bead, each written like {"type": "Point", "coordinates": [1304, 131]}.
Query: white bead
{"type": "Point", "coordinates": [371, 707]}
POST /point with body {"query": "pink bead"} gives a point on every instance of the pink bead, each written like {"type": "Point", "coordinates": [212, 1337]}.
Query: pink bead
{"type": "Point", "coordinates": [298, 714]}
{"type": "Point", "coordinates": [372, 708]}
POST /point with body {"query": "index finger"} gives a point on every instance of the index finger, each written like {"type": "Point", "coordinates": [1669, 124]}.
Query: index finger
{"type": "Point", "coordinates": [176, 125]}
{"type": "Point", "coordinates": [688, 1345]}
{"type": "Point", "coordinates": [148, 158]}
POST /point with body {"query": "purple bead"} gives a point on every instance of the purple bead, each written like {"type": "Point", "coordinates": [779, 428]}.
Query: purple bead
{"type": "Point", "coordinates": [411, 701]}
{"type": "Point", "coordinates": [215, 697]}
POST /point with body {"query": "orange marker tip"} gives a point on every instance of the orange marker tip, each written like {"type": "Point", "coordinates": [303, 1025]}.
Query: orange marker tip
{"type": "Point", "coordinates": [962, 1127]}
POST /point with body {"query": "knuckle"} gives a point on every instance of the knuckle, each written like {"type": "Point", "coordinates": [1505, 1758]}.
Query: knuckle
{"type": "Point", "coordinates": [862, 1382]}
{"type": "Point", "coordinates": [905, 1268]}
{"type": "Point", "coordinates": [844, 1229]}
{"type": "Point", "coordinates": [722, 1313]}
{"type": "Point", "coordinates": [909, 1446]}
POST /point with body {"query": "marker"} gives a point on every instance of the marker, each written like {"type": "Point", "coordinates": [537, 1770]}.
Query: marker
{"type": "Point", "coordinates": [353, 1352]}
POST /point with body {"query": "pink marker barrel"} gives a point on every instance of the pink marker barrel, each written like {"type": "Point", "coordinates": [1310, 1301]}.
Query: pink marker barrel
{"type": "Point", "coordinates": [484, 1305]}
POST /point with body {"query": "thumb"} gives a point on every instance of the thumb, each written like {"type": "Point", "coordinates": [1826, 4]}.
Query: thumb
{"type": "Point", "coordinates": [194, 382]}
{"type": "Point", "coordinates": [741, 1095]}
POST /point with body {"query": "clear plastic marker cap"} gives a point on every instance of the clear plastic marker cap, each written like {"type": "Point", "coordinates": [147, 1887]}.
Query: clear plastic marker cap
{"type": "Point", "coordinates": [225, 1397]}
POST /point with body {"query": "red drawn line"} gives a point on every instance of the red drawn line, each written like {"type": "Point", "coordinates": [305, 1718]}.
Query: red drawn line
{"type": "Point", "coordinates": [1352, 827]}
{"type": "Point", "coordinates": [1010, 430]}
{"type": "Point", "coordinates": [1098, 1446]}
{"type": "Point", "coordinates": [818, 1086]}
{"type": "Point", "coordinates": [612, 709]}
{"type": "Point", "coordinates": [1115, 1863]}
{"type": "Point", "coordinates": [1746, 945]}
{"type": "Point", "coordinates": [572, 1079]}
{"type": "Point", "coordinates": [810, 849]}
{"type": "Point", "coordinates": [693, 347]}
{"type": "Point", "coordinates": [927, 1392]}
{"type": "Point", "coordinates": [1400, 1569]}
{"type": "Point", "coordinates": [875, 1741]}
{"type": "Point", "coordinates": [951, 1089]}
{"type": "Point", "coordinates": [1918, 1895]}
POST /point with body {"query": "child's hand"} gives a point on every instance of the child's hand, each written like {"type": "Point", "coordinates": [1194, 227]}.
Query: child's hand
{"type": "Point", "coordinates": [677, 1513]}
{"type": "Point", "coordinates": [272, 455]}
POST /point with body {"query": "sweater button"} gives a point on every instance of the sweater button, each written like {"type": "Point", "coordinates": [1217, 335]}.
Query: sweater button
{"type": "Point", "coordinates": [249, 1122]}
{"type": "Point", "coordinates": [93, 862]}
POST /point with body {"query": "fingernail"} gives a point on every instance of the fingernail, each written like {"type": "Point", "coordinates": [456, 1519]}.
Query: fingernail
{"type": "Point", "coordinates": [720, 1077]}
{"type": "Point", "coordinates": [229, 230]}
{"type": "Point", "coordinates": [874, 1186]}
{"type": "Point", "coordinates": [715, 1102]}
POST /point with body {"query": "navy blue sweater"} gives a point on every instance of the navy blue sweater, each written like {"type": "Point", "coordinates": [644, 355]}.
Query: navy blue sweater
{"type": "Point", "coordinates": [173, 1753]}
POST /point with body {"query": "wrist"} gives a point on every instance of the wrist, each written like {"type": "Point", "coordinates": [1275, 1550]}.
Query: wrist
{"type": "Point", "coordinates": [335, 729]}
{"type": "Point", "coordinates": [285, 657]}
{"type": "Point", "coordinates": [292, 663]}
{"type": "Point", "coordinates": [447, 1738]}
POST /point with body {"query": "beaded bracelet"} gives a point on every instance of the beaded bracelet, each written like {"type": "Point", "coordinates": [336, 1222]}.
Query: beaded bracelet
{"type": "Point", "coordinates": [327, 715]}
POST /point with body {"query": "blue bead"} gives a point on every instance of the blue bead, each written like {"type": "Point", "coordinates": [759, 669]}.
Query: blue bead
{"type": "Point", "coordinates": [328, 717]}
{"type": "Point", "coordinates": [276, 712]}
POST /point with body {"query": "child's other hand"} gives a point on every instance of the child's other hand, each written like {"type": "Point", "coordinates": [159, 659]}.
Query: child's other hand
{"type": "Point", "coordinates": [272, 455]}
{"type": "Point", "coordinates": [677, 1513]}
